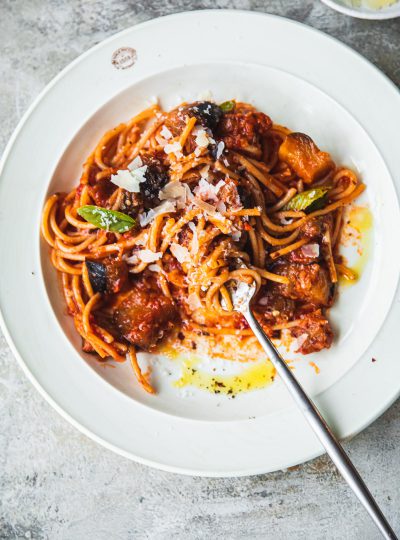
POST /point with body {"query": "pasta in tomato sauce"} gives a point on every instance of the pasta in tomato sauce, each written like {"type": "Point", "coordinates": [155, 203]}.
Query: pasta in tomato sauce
{"type": "Point", "coordinates": [172, 206]}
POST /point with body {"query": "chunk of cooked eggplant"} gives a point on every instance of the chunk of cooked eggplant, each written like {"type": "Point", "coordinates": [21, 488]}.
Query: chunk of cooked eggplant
{"type": "Point", "coordinates": [272, 307]}
{"type": "Point", "coordinates": [245, 195]}
{"type": "Point", "coordinates": [244, 130]}
{"type": "Point", "coordinates": [143, 316]}
{"type": "Point", "coordinates": [208, 114]}
{"type": "Point", "coordinates": [307, 282]}
{"type": "Point", "coordinates": [315, 227]}
{"type": "Point", "coordinates": [97, 273]}
{"type": "Point", "coordinates": [102, 190]}
{"type": "Point", "coordinates": [108, 275]}
{"type": "Point", "coordinates": [156, 178]}
{"type": "Point", "coordinates": [314, 331]}
{"type": "Point", "coordinates": [305, 158]}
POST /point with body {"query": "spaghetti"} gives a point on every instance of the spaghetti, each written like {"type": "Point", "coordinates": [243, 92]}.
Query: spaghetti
{"type": "Point", "coordinates": [172, 206]}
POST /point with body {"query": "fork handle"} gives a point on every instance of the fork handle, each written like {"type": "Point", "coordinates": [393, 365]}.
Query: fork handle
{"type": "Point", "coordinates": [332, 446]}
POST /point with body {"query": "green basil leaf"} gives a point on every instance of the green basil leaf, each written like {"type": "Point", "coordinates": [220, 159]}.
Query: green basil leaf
{"type": "Point", "coordinates": [310, 200]}
{"type": "Point", "coordinates": [227, 106]}
{"type": "Point", "coordinates": [108, 220]}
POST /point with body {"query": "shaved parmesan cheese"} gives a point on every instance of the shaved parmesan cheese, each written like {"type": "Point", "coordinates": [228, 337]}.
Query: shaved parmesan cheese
{"type": "Point", "coordinates": [148, 256]}
{"type": "Point", "coordinates": [215, 217]}
{"type": "Point", "coordinates": [204, 171]}
{"type": "Point", "coordinates": [220, 149]}
{"type": "Point", "coordinates": [202, 139]}
{"type": "Point", "coordinates": [165, 132]}
{"type": "Point", "coordinates": [221, 207]}
{"type": "Point", "coordinates": [207, 191]}
{"type": "Point", "coordinates": [181, 253]}
{"type": "Point", "coordinates": [135, 164]}
{"type": "Point", "coordinates": [130, 179]}
{"type": "Point", "coordinates": [133, 259]}
{"type": "Point", "coordinates": [193, 301]}
{"type": "Point", "coordinates": [174, 148]}
{"type": "Point", "coordinates": [154, 268]}
{"type": "Point", "coordinates": [172, 190]}
{"type": "Point", "coordinates": [236, 235]}
{"type": "Point", "coordinates": [160, 140]}
{"type": "Point", "coordinates": [142, 241]}
{"type": "Point", "coordinates": [310, 250]}
{"type": "Point", "coordinates": [195, 239]}
{"type": "Point", "coordinates": [208, 208]}
{"type": "Point", "coordinates": [189, 194]}
{"type": "Point", "coordinates": [164, 208]}
{"type": "Point", "coordinates": [176, 191]}
{"type": "Point", "coordinates": [301, 339]}
{"type": "Point", "coordinates": [219, 185]}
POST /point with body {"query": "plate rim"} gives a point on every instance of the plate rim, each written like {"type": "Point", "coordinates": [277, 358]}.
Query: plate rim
{"type": "Point", "coordinates": [3, 161]}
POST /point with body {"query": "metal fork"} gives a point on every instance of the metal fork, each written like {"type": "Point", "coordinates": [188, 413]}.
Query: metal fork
{"type": "Point", "coordinates": [241, 300]}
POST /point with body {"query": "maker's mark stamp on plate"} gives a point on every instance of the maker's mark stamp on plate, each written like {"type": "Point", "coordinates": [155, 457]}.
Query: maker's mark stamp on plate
{"type": "Point", "coordinates": [124, 57]}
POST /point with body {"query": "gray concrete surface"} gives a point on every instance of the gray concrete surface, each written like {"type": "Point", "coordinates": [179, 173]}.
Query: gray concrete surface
{"type": "Point", "coordinates": [57, 484]}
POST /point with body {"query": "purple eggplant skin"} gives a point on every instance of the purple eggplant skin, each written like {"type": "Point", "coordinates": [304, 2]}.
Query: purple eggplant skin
{"type": "Point", "coordinates": [207, 113]}
{"type": "Point", "coordinates": [155, 179]}
{"type": "Point", "coordinates": [97, 272]}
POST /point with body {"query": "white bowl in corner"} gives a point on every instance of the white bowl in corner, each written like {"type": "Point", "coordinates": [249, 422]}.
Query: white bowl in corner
{"type": "Point", "coordinates": [389, 12]}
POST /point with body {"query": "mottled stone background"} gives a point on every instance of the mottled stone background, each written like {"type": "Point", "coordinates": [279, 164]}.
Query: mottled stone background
{"type": "Point", "coordinates": [54, 482]}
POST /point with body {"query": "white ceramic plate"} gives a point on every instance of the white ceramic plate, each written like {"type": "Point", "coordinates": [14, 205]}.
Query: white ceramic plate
{"type": "Point", "coordinates": [303, 83]}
